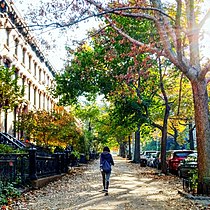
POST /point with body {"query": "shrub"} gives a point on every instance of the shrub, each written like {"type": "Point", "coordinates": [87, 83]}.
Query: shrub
{"type": "Point", "coordinates": [76, 154]}
{"type": "Point", "coordinates": [8, 149]}
{"type": "Point", "coordinates": [194, 178]}
{"type": "Point", "coordinates": [7, 192]}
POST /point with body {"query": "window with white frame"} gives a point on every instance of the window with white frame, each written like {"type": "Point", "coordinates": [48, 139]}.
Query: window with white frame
{"type": "Point", "coordinates": [29, 91]}
{"type": "Point", "coordinates": [8, 36]}
{"type": "Point", "coordinates": [35, 91]}
{"type": "Point", "coordinates": [35, 68]}
{"type": "Point", "coordinates": [16, 47]}
{"type": "Point", "coordinates": [40, 75]}
{"type": "Point", "coordinates": [24, 56]}
{"type": "Point", "coordinates": [29, 62]}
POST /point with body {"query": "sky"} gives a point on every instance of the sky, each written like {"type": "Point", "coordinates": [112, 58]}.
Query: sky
{"type": "Point", "coordinates": [57, 55]}
{"type": "Point", "coordinates": [205, 43]}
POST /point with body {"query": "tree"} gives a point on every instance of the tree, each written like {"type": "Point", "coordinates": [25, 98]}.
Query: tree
{"type": "Point", "coordinates": [50, 128]}
{"type": "Point", "coordinates": [100, 126]}
{"type": "Point", "coordinates": [11, 94]}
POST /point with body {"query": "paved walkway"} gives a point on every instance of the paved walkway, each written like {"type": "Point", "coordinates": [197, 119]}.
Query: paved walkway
{"type": "Point", "coordinates": [131, 188]}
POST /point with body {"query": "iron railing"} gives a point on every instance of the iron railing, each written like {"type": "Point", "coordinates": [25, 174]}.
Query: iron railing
{"type": "Point", "coordinates": [14, 168]}
{"type": "Point", "coordinates": [8, 140]}
{"type": "Point", "coordinates": [24, 168]}
{"type": "Point", "coordinates": [13, 139]}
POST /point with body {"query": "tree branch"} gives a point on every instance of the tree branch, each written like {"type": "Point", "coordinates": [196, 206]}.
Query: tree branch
{"type": "Point", "coordinates": [180, 94]}
{"type": "Point", "coordinates": [145, 47]}
{"type": "Point", "coordinates": [205, 69]}
{"type": "Point", "coordinates": [178, 26]}
{"type": "Point", "coordinates": [116, 10]}
{"type": "Point", "coordinates": [202, 22]}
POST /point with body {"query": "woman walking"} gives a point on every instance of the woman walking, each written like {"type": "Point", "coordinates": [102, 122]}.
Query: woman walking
{"type": "Point", "coordinates": [106, 161]}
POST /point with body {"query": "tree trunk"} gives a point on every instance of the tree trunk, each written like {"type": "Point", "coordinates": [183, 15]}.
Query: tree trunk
{"type": "Point", "coordinates": [122, 150]}
{"type": "Point", "coordinates": [191, 139]}
{"type": "Point", "coordinates": [5, 121]}
{"type": "Point", "coordinates": [0, 120]}
{"type": "Point", "coordinates": [163, 140]}
{"type": "Point", "coordinates": [200, 97]}
{"type": "Point", "coordinates": [129, 147]}
{"type": "Point", "coordinates": [176, 145]}
{"type": "Point", "coordinates": [165, 122]}
{"type": "Point", "coordinates": [137, 146]}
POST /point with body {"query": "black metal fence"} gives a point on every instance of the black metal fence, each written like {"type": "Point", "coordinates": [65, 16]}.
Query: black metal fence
{"type": "Point", "coordinates": [14, 168]}
{"type": "Point", "coordinates": [23, 168]}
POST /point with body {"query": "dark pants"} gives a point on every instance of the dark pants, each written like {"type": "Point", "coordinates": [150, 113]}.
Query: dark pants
{"type": "Point", "coordinates": [105, 178]}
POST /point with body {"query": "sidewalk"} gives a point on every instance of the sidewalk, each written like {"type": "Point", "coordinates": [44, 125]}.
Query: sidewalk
{"type": "Point", "coordinates": [131, 188]}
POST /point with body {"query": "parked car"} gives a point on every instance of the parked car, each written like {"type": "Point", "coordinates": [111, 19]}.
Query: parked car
{"type": "Point", "coordinates": [151, 159]}
{"type": "Point", "coordinates": [157, 161]}
{"type": "Point", "coordinates": [174, 157]}
{"type": "Point", "coordinates": [187, 165]}
{"type": "Point", "coordinates": [144, 157]}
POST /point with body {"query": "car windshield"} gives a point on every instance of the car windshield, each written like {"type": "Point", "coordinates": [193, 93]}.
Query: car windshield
{"type": "Point", "coordinates": [181, 154]}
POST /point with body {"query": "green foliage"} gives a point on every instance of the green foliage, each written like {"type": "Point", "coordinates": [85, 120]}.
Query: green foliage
{"type": "Point", "coordinates": [10, 92]}
{"type": "Point", "coordinates": [194, 178]}
{"type": "Point", "coordinates": [151, 145]}
{"type": "Point", "coordinates": [76, 153]}
{"type": "Point", "coordinates": [8, 149]}
{"type": "Point", "coordinates": [8, 192]}
{"type": "Point", "coordinates": [49, 128]}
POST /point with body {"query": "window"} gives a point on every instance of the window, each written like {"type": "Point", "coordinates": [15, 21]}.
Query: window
{"type": "Point", "coordinates": [35, 96]}
{"type": "Point", "coordinates": [35, 68]}
{"type": "Point", "coordinates": [43, 101]}
{"type": "Point", "coordinates": [3, 7]}
{"type": "Point", "coordinates": [48, 104]}
{"type": "Point", "coordinates": [48, 81]}
{"type": "Point", "coordinates": [15, 119]}
{"type": "Point", "coordinates": [24, 55]}
{"type": "Point", "coordinates": [29, 91]}
{"type": "Point", "coordinates": [23, 84]}
{"type": "Point", "coordinates": [29, 62]}
{"type": "Point", "coordinates": [16, 73]}
{"type": "Point", "coordinates": [8, 37]}
{"type": "Point", "coordinates": [7, 63]}
{"type": "Point", "coordinates": [40, 100]}
{"type": "Point", "coordinates": [40, 75]}
{"type": "Point", "coordinates": [44, 76]}
{"type": "Point", "coordinates": [16, 47]}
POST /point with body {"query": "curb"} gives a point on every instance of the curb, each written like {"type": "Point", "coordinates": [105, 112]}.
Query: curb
{"type": "Point", "coordinates": [193, 197]}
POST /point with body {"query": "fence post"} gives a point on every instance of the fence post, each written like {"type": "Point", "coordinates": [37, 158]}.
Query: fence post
{"type": "Point", "coordinates": [58, 167]}
{"type": "Point", "coordinates": [22, 167]}
{"type": "Point", "coordinates": [66, 160]}
{"type": "Point", "coordinates": [32, 164]}
{"type": "Point", "coordinates": [62, 163]}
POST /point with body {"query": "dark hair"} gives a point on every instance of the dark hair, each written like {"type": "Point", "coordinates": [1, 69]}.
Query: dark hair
{"type": "Point", "coordinates": [106, 149]}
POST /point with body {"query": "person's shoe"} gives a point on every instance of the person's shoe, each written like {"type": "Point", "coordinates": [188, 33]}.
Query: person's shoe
{"type": "Point", "coordinates": [104, 190]}
{"type": "Point", "coordinates": [106, 194]}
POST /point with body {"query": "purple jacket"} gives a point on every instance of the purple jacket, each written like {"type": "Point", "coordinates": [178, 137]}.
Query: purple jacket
{"type": "Point", "coordinates": [106, 156]}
